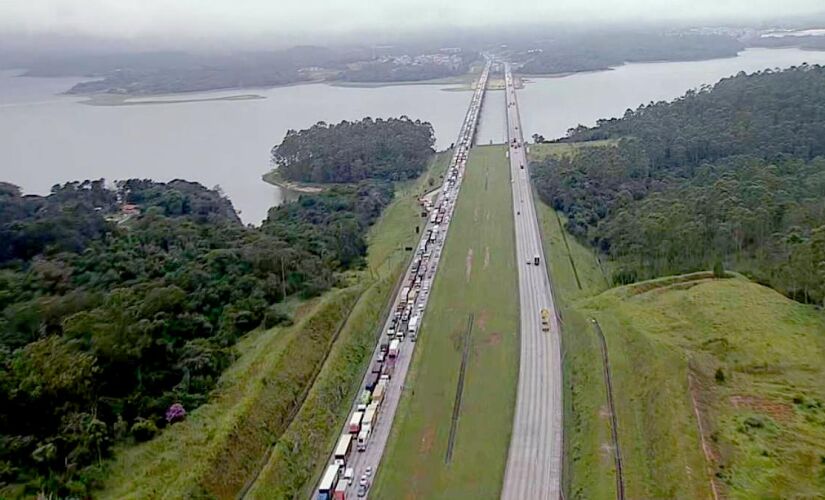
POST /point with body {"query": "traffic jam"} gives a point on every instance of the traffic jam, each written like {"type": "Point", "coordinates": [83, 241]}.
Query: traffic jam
{"type": "Point", "coordinates": [401, 329]}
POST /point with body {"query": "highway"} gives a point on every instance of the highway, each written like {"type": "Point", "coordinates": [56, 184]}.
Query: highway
{"type": "Point", "coordinates": [534, 459]}
{"type": "Point", "coordinates": [416, 284]}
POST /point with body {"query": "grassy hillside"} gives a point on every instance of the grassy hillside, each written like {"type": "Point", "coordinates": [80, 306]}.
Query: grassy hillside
{"type": "Point", "coordinates": [762, 417]}
{"type": "Point", "coordinates": [223, 444]}
{"type": "Point", "coordinates": [477, 276]}
{"type": "Point", "coordinates": [757, 381]}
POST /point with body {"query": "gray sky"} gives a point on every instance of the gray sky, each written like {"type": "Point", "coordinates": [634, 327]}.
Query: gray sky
{"type": "Point", "coordinates": [303, 19]}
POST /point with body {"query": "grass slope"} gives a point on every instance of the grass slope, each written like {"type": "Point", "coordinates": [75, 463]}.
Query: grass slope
{"type": "Point", "coordinates": [477, 275]}
{"type": "Point", "coordinates": [764, 414]}
{"type": "Point", "coordinates": [299, 456]}
{"type": "Point", "coordinates": [204, 454]}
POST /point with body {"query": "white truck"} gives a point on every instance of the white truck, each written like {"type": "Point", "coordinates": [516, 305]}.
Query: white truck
{"type": "Point", "coordinates": [394, 347]}
{"type": "Point", "coordinates": [412, 327]}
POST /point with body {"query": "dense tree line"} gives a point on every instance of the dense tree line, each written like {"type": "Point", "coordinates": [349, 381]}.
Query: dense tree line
{"type": "Point", "coordinates": [602, 51]}
{"type": "Point", "coordinates": [392, 149]}
{"type": "Point", "coordinates": [107, 321]}
{"type": "Point", "coordinates": [733, 173]}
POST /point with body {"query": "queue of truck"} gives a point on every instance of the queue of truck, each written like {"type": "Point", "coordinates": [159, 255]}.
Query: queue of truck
{"type": "Point", "coordinates": [404, 322]}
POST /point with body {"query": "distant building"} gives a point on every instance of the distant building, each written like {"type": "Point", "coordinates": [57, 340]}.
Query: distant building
{"type": "Point", "coordinates": [129, 209]}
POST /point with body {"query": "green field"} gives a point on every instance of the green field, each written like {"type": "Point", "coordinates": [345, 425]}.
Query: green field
{"type": "Point", "coordinates": [183, 460]}
{"type": "Point", "coordinates": [477, 276]}
{"type": "Point", "coordinates": [744, 358]}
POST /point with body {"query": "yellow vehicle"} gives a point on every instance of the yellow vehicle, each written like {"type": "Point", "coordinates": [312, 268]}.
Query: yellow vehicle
{"type": "Point", "coordinates": [545, 320]}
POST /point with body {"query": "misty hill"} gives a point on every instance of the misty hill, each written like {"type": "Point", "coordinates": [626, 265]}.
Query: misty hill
{"type": "Point", "coordinates": [599, 51]}
{"type": "Point", "coordinates": [392, 149]}
{"type": "Point", "coordinates": [731, 174]}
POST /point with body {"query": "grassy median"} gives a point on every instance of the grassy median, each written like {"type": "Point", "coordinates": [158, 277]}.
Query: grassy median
{"type": "Point", "coordinates": [477, 277]}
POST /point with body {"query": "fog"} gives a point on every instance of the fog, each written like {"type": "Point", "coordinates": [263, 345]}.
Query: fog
{"type": "Point", "coordinates": [288, 22]}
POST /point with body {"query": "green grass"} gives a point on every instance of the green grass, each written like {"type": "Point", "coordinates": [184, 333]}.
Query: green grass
{"type": "Point", "coordinates": [477, 275]}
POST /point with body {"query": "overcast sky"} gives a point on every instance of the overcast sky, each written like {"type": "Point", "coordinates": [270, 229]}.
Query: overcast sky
{"type": "Point", "coordinates": [304, 19]}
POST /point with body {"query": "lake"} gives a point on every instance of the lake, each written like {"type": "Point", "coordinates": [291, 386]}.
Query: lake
{"type": "Point", "coordinates": [47, 138]}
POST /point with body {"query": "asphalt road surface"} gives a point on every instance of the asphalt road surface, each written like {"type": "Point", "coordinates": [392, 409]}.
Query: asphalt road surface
{"type": "Point", "coordinates": [370, 458]}
{"type": "Point", "coordinates": [534, 459]}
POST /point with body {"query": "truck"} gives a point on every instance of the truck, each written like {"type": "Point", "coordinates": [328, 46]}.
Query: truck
{"type": "Point", "coordinates": [363, 436]}
{"type": "Point", "coordinates": [342, 449]}
{"type": "Point", "coordinates": [372, 379]}
{"type": "Point", "coordinates": [363, 400]}
{"type": "Point", "coordinates": [394, 347]}
{"type": "Point", "coordinates": [404, 292]}
{"type": "Point", "coordinates": [369, 415]}
{"type": "Point", "coordinates": [328, 482]}
{"type": "Point", "coordinates": [340, 492]}
{"type": "Point", "coordinates": [355, 422]}
{"type": "Point", "coordinates": [389, 367]}
{"type": "Point", "coordinates": [378, 393]}
{"type": "Point", "coordinates": [545, 320]}
{"type": "Point", "coordinates": [412, 327]}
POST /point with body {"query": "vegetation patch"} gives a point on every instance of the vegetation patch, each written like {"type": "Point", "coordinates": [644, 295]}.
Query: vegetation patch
{"type": "Point", "coordinates": [394, 149]}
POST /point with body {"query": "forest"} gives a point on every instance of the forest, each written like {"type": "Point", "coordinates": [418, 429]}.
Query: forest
{"type": "Point", "coordinates": [388, 149]}
{"type": "Point", "coordinates": [605, 50]}
{"type": "Point", "coordinates": [726, 176]}
{"type": "Point", "coordinates": [119, 309]}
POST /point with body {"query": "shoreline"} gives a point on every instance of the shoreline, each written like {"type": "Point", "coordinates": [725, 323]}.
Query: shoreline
{"type": "Point", "coordinates": [274, 179]}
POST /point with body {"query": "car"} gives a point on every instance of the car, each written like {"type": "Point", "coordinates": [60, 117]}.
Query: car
{"type": "Point", "coordinates": [362, 490]}
{"type": "Point", "coordinates": [368, 471]}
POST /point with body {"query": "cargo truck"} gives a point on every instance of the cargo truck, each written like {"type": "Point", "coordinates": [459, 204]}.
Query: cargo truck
{"type": "Point", "coordinates": [372, 379]}
{"type": "Point", "coordinates": [378, 393]}
{"type": "Point", "coordinates": [394, 347]}
{"type": "Point", "coordinates": [340, 492]}
{"type": "Point", "coordinates": [342, 449]}
{"type": "Point", "coordinates": [355, 422]}
{"type": "Point", "coordinates": [369, 415]}
{"type": "Point", "coordinates": [363, 400]}
{"type": "Point", "coordinates": [412, 326]}
{"type": "Point", "coordinates": [363, 437]}
{"type": "Point", "coordinates": [328, 482]}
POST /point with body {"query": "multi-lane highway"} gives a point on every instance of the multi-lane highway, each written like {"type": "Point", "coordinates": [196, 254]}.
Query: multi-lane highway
{"type": "Point", "coordinates": [534, 459]}
{"type": "Point", "coordinates": [393, 353]}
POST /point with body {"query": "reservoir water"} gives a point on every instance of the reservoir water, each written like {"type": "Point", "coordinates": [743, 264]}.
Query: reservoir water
{"type": "Point", "coordinates": [48, 138]}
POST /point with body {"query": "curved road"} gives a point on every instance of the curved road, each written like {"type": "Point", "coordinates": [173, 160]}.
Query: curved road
{"type": "Point", "coordinates": [534, 459]}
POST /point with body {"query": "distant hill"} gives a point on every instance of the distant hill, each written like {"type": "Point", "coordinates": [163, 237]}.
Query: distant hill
{"type": "Point", "coordinates": [600, 51]}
